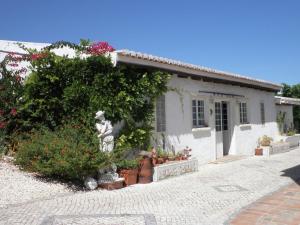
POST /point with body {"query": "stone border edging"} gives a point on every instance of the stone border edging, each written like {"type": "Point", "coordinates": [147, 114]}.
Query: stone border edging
{"type": "Point", "coordinates": [149, 219]}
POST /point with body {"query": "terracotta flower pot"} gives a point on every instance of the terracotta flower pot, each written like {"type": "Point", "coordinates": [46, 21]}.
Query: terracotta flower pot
{"type": "Point", "coordinates": [258, 151]}
{"type": "Point", "coordinates": [130, 176]}
{"type": "Point", "coordinates": [154, 161]}
{"type": "Point", "coordinates": [160, 160]}
{"type": "Point", "coordinates": [145, 171]}
{"type": "Point", "coordinates": [177, 158]}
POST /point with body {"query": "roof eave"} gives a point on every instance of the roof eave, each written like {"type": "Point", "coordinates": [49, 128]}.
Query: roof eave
{"type": "Point", "coordinates": [119, 57]}
{"type": "Point", "coordinates": [279, 100]}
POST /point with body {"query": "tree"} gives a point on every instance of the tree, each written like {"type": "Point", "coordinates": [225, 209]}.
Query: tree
{"type": "Point", "coordinates": [293, 91]}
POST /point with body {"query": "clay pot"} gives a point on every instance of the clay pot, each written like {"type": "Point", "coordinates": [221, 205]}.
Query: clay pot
{"type": "Point", "coordinates": [160, 160]}
{"type": "Point", "coordinates": [145, 171]}
{"type": "Point", "coordinates": [154, 161]}
{"type": "Point", "coordinates": [130, 176]}
{"type": "Point", "coordinates": [258, 151]}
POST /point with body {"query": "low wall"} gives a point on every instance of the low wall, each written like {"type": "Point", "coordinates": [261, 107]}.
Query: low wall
{"type": "Point", "coordinates": [292, 140]}
{"type": "Point", "coordinates": [275, 148]}
{"type": "Point", "coordinates": [174, 169]}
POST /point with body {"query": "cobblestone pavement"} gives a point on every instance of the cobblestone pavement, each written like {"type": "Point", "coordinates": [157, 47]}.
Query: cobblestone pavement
{"type": "Point", "coordinates": [210, 196]}
{"type": "Point", "coordinates": [18, 187]}
{"type": "Point", "coordinates": [279, 208]}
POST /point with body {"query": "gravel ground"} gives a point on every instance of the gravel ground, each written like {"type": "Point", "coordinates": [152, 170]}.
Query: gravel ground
{"type": "Point", "coordinates": [19, 187]}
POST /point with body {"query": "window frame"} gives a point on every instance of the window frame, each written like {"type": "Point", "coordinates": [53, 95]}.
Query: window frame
{"type": "Point", "coordinates": [243, 112]}
{"type": "Point", "coordinates": [198, 113]}
{"type": "Point", "coordinates": [262, 113]}
{"type": "Point", "coordinates": [218, 117]}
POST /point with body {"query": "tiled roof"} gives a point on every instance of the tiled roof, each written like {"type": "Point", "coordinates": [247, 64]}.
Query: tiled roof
{"type": "Point", "coordinates": [287, 101]}
{"type": "Point", "coordinates": [158, 62]}
{"type": "Point", "coordinates": [171, 62]}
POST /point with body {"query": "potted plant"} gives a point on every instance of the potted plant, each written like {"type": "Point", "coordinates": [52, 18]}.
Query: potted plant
{"type": "Point", "coordinates": [154, 156]}
{"type": "Point", "coordinates": [265, 140]}
{"type": "Point", "coordinates": [162, 156]}
{"type": "Point", "coordinates": [186, 152]}
{"type": "Point", "coordinates": [171, 156]}
{"type": "Point", "coordinates": [258, 151]}
{"type": "Point", "coordinates": [145, 170]}
{"type": "Point", "coordinates": [128, 169]}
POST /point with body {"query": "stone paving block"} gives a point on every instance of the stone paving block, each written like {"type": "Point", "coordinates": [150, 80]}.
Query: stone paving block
{"type": "Point", "coordinates": [190, 199]}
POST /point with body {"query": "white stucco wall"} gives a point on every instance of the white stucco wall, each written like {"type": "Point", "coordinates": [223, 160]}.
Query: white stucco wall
{"type": "Point", "coordinates": [179, 113]}
{"type": "Point", "coordinates": [203, 142]}
{"type": "Point", "coordinates": [288, 110]}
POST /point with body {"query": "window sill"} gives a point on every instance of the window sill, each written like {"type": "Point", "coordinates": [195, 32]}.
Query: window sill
{"type": "Point", "coordinates": [245, 126]}
{"type": "Point", "coordinates": [199, 129]}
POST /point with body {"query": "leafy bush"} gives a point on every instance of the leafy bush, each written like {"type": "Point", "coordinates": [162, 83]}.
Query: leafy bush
{"type": "Point", "coordinates": [291, 132]}
{"type": "Point", "coordinates": [63, 89]}
{"type": "Point", "coordinates": [128, 164]}
{"type": "Point", "coordinates": [293, 91]}
{"type": "Point", "coordinates": [11, 90]}
{"type": "Point", "coordinates": [70, 152]}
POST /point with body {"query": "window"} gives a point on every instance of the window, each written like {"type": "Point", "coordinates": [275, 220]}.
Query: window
{"type": "Point", "coordinates": [243, 113]}
{"type": "Point", "coordinates": [218, 116]}
{"type": "Point", "coordinates": [225, 116]}
{"type": "Point", "coordinates": [198, 113]}
{"type": "Point", "coordinates": [161, 114]}
{"type": "Point", "coordinates": [262, 113]}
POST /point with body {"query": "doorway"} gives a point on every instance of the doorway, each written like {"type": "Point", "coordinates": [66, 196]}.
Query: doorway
{"type": "Point", "coordinates": [222, 128]}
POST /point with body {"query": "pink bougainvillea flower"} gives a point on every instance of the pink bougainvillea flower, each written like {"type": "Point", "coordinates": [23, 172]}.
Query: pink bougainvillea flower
{"type": "Point", "coordinates": [13, 64]}
{"type": "Point", "coordinates": [15, 58]}
{"type": "Point", "coordinates": [100, 48]}
{"type": "Point", "coordinates": [22, 70]}
{"type": "Point", "coordinates": [13, 112]}
{"type": "Point", "coordinates": [2, 124]}
{"type": "Point", "coordinates": [37, 56]}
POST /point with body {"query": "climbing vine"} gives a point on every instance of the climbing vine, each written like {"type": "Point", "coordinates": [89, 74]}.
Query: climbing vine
{"type": "Point", "coordinates": [62, 88]}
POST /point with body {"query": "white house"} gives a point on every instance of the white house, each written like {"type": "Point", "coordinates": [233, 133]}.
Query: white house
{"type": "Point", "coordinates": [285, 105]}
{"type": "Point", "coordinates": [213, 112]}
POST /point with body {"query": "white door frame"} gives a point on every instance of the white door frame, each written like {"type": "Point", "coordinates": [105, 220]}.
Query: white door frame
{"type": "Point", "coordinates": [222, 130]}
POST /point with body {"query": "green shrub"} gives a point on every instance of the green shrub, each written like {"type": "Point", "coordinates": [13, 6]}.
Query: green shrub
{"type": "Point", "coordinates": [70, 152]}
{"type": "Point", "coordinates": [291, 132]}
{"type": "Point", "coordinates": [128, 164]}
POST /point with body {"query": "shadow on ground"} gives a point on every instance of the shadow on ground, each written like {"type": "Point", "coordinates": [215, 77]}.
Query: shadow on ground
{"type": "Point", "coordinates": [71, 185]}
{"type": "Point", "coordinates": [293, 173]}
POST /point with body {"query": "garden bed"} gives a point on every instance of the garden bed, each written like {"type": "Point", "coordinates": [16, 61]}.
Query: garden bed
{"type": "Point", "coordinates": [174, 168]}
{"type": "Point", "coordinates": [292, 140]}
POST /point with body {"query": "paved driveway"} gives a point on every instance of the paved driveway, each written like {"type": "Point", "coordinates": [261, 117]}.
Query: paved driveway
{"type": "Point", "coordinates": [210, 196]}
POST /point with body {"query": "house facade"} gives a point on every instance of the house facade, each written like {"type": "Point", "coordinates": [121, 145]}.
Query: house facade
{"type": "Point", "coordinates": [284, 106]}
{"type": "Point", "coordinates": [214, 113]}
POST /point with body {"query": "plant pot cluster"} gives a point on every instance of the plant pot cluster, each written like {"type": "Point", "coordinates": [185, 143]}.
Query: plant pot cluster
{"type": "Point", "coordinates": [161, 157]}
{"type": "Point", "coordinates": [263, 141]}
{"type": "Point", "coordinates": [161, 160]}
{"type": "Point", "coordinates": [141, 171]}
{"type": "Point", "coordinates": [141, 174]}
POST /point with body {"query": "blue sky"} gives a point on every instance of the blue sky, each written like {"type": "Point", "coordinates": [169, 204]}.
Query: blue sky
{"type": "Point", "coordinates": [258, 38]}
